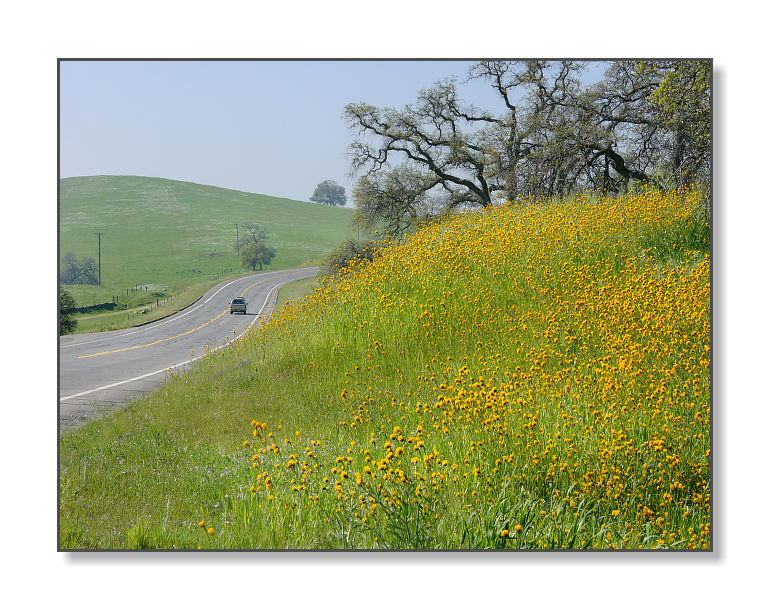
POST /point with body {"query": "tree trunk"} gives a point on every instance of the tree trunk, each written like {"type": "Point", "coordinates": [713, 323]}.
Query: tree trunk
{"type": "Point", "coordinates": [619, 164]}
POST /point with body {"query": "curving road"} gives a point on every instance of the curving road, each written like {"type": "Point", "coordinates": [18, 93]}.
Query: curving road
{"type": "Point", "coordinates": [100, 371]}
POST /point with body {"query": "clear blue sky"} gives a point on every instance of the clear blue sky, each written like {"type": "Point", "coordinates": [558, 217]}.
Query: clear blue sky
{"type": "Point", "coordinates": [271, 127]}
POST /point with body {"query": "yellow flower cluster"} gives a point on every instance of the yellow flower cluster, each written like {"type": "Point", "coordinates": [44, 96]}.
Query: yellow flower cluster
{"type": "Point", "coordinates": [529, 375]}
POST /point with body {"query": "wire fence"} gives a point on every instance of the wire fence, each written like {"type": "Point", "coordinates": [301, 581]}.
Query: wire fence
{"type": "Point", "coordinates": [144, 307]}
{"type": "Point", "coordinates": [160, 301]}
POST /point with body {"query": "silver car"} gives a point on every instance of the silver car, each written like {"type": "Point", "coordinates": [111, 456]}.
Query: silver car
{"type": "Point", "coordinates": [238, 305]}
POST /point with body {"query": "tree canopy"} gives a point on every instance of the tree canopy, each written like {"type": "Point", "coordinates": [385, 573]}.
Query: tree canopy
{"type": "Point", "coordinates": [251, 246]}
{"type": "Point", "coordinates": [67, 322]}
{"type": "Point", "coordinates": [681, 102]}
{"type": "Point", "coordinates": [255, 254]}
{"type": "Point", "coordinates": [643, 122]}
{"type": "Point", "coordinates": [250, 233]}
{"type": "Point", "coordinates": [329, 192]}
{"type": "Point", "coordinates": [78, 271]}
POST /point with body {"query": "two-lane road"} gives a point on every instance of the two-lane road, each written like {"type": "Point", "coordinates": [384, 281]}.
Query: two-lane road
{"type": "Point", "coordinates": [99, 371]}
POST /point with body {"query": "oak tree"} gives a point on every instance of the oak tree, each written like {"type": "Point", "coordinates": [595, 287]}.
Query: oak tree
{"type": "Point", "coordinates": [550, 135]}
{"type": "Point", "coordinates": [254, 254]}
{"type": "Point", "coordinates": [329, 192]}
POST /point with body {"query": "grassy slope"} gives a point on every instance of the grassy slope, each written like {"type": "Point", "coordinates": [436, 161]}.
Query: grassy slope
{"type": "Point", "coordinates": [160, 232]}
{"type": "Point", "coordinates": [521, 378]}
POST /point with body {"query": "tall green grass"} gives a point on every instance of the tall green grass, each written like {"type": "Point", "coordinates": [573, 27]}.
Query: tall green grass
{"type": "Point", "coordinates": [528, 377]}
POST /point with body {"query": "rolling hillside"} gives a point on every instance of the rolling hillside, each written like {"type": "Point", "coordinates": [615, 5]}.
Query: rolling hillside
{"type": "Point", "coordinates": [172, 234]}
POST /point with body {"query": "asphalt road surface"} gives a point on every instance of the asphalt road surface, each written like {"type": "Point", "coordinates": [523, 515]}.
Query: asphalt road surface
{"type": "Point", "coordinates": [98, 372]}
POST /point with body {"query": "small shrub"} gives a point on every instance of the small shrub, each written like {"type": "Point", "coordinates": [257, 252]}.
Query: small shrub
{"type": "Point", "coordinates": [349, 252]}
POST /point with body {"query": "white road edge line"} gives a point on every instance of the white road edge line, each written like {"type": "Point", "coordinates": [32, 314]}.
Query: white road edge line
{"type": "Point", "coordinates": [169, 368]}
{"type": "Point", "coordinates": [169, 320]}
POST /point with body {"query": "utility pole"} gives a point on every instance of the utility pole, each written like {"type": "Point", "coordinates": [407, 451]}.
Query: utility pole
{"type": "Point", "coordinates": [100, 257]}
{"type": "Point", "coordinates": [237, 243]}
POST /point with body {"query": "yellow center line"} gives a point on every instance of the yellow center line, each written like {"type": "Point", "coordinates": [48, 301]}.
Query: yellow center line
{"type": "Point", "coordinates": [125, 349]}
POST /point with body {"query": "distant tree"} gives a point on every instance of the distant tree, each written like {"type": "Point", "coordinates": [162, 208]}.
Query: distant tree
{"type": "Point", "coordinates": [254, 254]}
{"type": "Point", "coordinates": [251, 233]}
{"type": "Point", "coordinates": [252, 247]}
{"type": "Point", "coordinates": [67, 323]}
{"type": "Point", "coordinates": [74, 271]}
{"type": "Point", "coordinates": [329, 192]}
{"type": "Point", "coordinates": [69, 268]}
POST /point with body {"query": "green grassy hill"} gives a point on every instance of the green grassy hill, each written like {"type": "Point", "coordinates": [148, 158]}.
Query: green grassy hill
{"type": "Point", "coordinates": [162, 232]}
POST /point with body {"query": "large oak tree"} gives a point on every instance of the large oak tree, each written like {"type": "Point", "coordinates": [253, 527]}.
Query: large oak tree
{"type": "Point", "coordinates": [551, 134]}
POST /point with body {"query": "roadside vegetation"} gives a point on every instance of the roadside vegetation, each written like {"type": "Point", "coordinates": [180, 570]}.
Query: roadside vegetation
{"type": "Point", "coordinates": [67, 322]}
{"type": "Point", "coordinates": [296, 290]}
{"type": "Point", "coordinates": [139, 307]}
{"type": "Point", "coordinates": [350, 253]}
{"type": "Point", "coordinates": [533, 375]}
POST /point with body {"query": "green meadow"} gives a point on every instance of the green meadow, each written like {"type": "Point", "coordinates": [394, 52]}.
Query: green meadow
{"type": "Point", "coordinates": [175, 237]}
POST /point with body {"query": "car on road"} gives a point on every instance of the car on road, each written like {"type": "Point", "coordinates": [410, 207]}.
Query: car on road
{"type": "Point", "coordinates": [238, 305]}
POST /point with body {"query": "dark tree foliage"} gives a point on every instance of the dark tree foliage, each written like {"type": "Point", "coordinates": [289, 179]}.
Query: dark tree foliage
{"type": "Point", "coordinates": [252, 248]}
{"type": "Point", "coordinates": [254, 254]}
{"type": "Point", "coordinates": [67, 322]}
{"type": "Point", "coordinates": [74, 271]}
{"type": "Point", "coordinates": [681, 102]}
{"type": "Point", "coordinates": [329, 192]}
